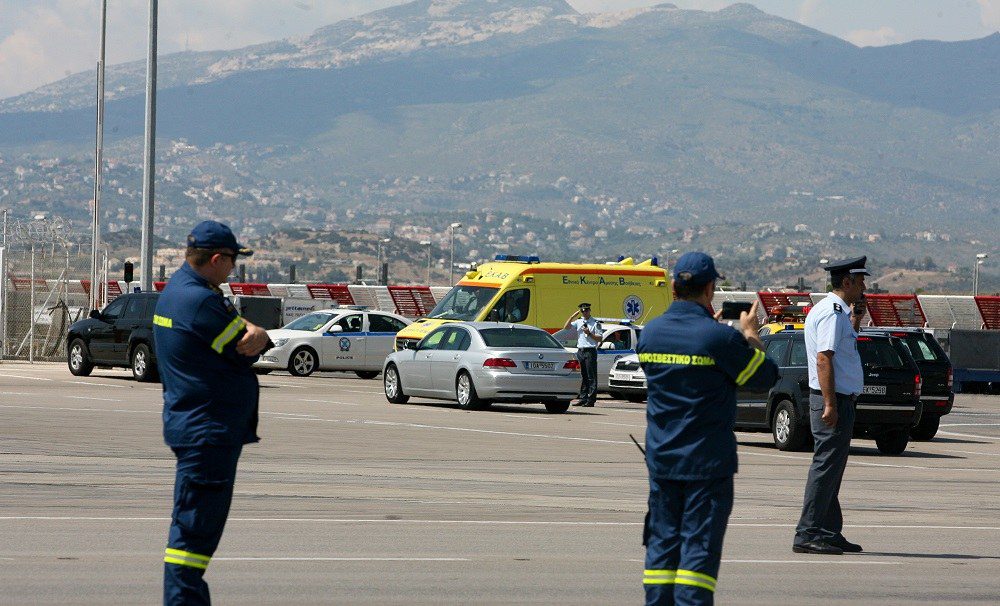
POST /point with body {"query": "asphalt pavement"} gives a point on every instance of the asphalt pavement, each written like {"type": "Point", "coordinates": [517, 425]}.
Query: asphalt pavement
{"type": "Point", "coordinates": [351, 500]}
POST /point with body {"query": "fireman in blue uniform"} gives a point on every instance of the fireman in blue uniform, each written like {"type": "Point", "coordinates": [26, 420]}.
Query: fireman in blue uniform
{"type": "Point", "coordinates": [693, 366]}
{"type": "Point", "coordinates": [210, 393]}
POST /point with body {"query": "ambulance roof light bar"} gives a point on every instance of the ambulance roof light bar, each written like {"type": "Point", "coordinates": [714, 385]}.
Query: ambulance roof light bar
{"type": "Point", "coordinates": [518, 258]}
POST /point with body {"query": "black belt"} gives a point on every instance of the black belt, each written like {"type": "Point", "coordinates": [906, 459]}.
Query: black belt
{"type": "Point", "coordinates": [818, 392]}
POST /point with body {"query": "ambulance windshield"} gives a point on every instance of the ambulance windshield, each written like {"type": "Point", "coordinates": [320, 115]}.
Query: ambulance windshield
{"type": "Point", "coordinates": [463, 303]}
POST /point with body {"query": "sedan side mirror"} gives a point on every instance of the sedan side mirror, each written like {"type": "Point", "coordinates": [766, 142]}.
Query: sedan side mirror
{"type": "Point", "coordinates": [412, 345]}
{"type": "Point", "coordinates": [95, 314]}
{"type": "Point", "coordinates": [336, 328]}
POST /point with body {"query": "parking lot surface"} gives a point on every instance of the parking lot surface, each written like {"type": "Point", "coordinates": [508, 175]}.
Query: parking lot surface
{"type": "Point", "coordinates": [351, 500]}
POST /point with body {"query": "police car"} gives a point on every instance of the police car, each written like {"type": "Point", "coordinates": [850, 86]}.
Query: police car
{"type": "Point", "coordinates": [627, 381]}
{"type": "Point", "coordinates": [344, 338]}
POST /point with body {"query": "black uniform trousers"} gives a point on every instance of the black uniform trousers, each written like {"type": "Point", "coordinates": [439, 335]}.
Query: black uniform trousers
{"type": "Point", "coordinates": [587, 356]}
{"type": "Point", "coordinates": [822, 519]}
{"type": "Point", "coordinates": [684, 531]}
{"type": "Point", "coordinates": [203, 491]}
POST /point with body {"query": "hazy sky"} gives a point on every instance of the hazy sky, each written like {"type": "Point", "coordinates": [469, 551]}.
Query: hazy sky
{"type": "Point", "coordinates": [43, 40]}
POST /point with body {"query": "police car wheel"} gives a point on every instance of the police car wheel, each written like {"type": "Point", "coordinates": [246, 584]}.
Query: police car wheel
{"type": "Point", "coordinates": [465, 393]}
{"type": "Point", "coordinates": [78, 359]}
{"type": "Point", "coordinates": [926, 429]}
{"type": "Point", "coordinates": [893, 441]}
{"type": "Point", "coordinates": [393, 386]}
{"type": "Point", "coordinates": [303, 362]}
{"type": "Point", "coordinates": [788, 431]}
{"type": "Point", "coordinates": [143, 368]}
{"type": "Point", "coordinates": [366, 374]}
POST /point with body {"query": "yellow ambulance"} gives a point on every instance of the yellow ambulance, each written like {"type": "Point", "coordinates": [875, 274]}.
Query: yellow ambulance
{"type": "Point", "coordinates": [522, 289]}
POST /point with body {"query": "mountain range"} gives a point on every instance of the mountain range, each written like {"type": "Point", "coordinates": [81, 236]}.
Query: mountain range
{"type": "Point", "coordinates": [693, 117]}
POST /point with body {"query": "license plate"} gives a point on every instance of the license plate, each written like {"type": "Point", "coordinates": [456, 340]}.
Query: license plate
{"type": "Point", "coordinates": [640, 377]}
{"type": "Point", "coordinates": [874, 390]}
{"type": "Point", "coordinates": [540, 365]}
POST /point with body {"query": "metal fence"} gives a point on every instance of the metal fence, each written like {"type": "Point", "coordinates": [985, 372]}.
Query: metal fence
{"type": "Point", "coordinates": [41, 292]}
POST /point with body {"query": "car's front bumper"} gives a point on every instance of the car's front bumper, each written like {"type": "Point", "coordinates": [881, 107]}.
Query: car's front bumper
{"type": "Point", "coordinates": [275, 358]}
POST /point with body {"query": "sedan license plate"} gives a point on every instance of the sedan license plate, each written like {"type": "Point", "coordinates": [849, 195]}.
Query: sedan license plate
{"type": "Point", "coordinates": [874, 390]}
{"type": "Point", "coordinates": [540, 365]}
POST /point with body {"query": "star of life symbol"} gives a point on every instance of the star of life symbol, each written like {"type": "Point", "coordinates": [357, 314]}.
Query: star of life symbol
{"type": "Point", "coordinates": [632, 307]}
{"type": "Point", "coordinates": [345, 344]}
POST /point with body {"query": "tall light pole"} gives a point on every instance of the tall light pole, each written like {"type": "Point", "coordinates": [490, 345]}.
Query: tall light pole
{"type": "Point", "coordinates": [94, 300]}
{"type": "Point", "coordinates": [378, 257]}
{"type": "Point", "coordinates": [427, 243]}
{"type": "Point", "coordinates": [980, 259]}
{"type": "Point", "coordinates": [452, 229]}
{"type": "Point", "coordinates": [149, 165]}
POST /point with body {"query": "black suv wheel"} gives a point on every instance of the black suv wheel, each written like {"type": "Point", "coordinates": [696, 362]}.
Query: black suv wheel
{"type": "Point", "coordinates": [143, 368]}
{"type": "Point", "coordinates": [893, 441]}
{"type": "Point", "coordinates": [78, 359]}
{"type": "Point", "coordinates": [926, 428]}
{"type": "Point", "coordinates": [787, 428]}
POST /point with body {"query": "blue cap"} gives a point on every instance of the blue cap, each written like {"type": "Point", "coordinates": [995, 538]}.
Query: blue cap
{"type": "Point", "coordinates": [695, 268]}
{"type": "Point", "coordinates": [849, 266]}
{"type": "Point", "coordinates": [212, 234]}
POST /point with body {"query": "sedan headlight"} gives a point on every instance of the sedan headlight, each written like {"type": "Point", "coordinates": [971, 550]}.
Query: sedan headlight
{"type": "Point", "coordinates": [280, 342]}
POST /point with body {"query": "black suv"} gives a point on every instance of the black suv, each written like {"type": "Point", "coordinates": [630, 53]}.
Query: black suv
{"type": "Point", "coordinates": [121, 334]}
{"type": "Point", "coordinates": [886, 410]}
{"type": "Point", "coordinates": [936, 376]}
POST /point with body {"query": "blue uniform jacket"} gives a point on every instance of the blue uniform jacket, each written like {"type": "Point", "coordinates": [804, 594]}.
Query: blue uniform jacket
{"type": "Point", "coordinates": [693, 367]}
{"type": "Point", "coordinates": [210, 392]}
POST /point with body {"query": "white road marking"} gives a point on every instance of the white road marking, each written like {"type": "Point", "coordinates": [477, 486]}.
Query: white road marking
{"type": "Point", "coordinates": [16, 393]}
{"type": "Point", "coordinates": [532, 417]}
{"type": "Point", "coordinates": [619, 424]}
{"type": "Point", "coordinates": [426, 522]}
{"type": "Point", "coordinates": [984, 454]}
{"type": "Point", "coordinates": [65, 408]}
{"type": "Point", "coordinates": [854, 461]}
{"type": "Point", "coordinates": [24, 377]}
{"type": "Point", "coordinates": [97, 384]}
{"type": "Point", "coordinates": [291, 414]}
{"type": "Point", "coordinates": [321, 559]}
{"type": "Point", "coordinates": [967, 435]}
{"type": "Point", "coordinates": [331, 402]}
{"type": "Point", "coordinates": [970, 424]}
{"type": "Point", "coordinates": [289, 385]}
{"type": "Point", "coordinates": [488, 431]}
{"type": "Point", "coordinates": [814, 562]}
{"type": "Point", "coordinates": [90, 398]}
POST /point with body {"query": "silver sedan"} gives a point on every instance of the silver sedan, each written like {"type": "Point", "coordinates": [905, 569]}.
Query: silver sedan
{"type": "Point", "coordinates": [478, 363]}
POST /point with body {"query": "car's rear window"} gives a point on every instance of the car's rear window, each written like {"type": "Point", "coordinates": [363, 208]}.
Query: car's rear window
{"type": "Point", "coordinates": [920, 349]}
{"type": "Point", "coordinates": [879, 353]}
{"type": "Point", "coordinates": [518, 337]}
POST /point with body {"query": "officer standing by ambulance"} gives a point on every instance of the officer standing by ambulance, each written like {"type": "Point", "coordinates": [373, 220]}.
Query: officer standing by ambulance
{"type": "Point", "coordinates": [693, 367]}
{"type": "Point", "coordinates": [210, 394]}
{"type": "Point", "coordinates": [588, 335]}
{"type": "Point", "coordinates": [836, 377]}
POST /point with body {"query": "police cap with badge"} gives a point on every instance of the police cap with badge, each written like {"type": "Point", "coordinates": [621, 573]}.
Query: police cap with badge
{"type": "Point", "coordinates": [212, 234]}
{"type": "Point", "coordinates": [846, 267]}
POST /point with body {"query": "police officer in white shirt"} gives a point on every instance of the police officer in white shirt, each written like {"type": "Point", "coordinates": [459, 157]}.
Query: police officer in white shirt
{"type": "Point", "coordinates": [836, 378]}
{"type": "Point", "coordinates": [588, 335]}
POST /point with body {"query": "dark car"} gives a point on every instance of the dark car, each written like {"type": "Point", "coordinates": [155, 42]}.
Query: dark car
{"type": "Point", "coordinates": [936, 394]}
{"type": "Point", "coordinates": [120, 335]}
{"type": "Point", "coordinates": [885, 411]}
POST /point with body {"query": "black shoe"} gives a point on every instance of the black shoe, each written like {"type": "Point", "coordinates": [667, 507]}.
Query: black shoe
{"type": "Point", "coordinates": [579, 402]}
{"type": "Point", "coordinates": [821, 547]}
{"type": "Point", "coordinates": [845, 545]}
{"type": "Point", "coordinates": [588, 405]}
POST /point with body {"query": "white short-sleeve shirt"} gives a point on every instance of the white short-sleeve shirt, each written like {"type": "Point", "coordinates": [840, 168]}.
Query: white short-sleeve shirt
{"type": "Point", "coordinates": [828, 328]}
{"type": "Point", "coordinates": [582, 340]}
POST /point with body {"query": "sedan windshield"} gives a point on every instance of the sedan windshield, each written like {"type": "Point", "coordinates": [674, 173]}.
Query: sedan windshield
{"type": "Point", "coordinates": [463, 303]}
{"type": "Point", "coordinates": [309, 322]}
{"type": "Point", "coordinates": [518, 337]}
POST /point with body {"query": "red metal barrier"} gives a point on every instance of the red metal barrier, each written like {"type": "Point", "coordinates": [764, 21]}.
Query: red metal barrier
{"type": "Point", "coordinates": [249, 289]}
{"type": "Point", "coordinates": [895, 310]}
{"type": "Point", "coordinates": [332, 292]}
{"type": "Point", "coordinates": [779, 304]}
{"type": "Point", "coordinates": [412, 301]}
{"type": "Point", "coordinates": [989, 309]}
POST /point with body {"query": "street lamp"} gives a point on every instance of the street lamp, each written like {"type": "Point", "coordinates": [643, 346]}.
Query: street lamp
{"type": "Point", "coordinates": [980, 259]}
{"type": "Point", "coordinates": [427, 243]}
{"type": "Point", "coordinates": [452, 229]}
{"type": "Point", "coordinates": [378, 258]}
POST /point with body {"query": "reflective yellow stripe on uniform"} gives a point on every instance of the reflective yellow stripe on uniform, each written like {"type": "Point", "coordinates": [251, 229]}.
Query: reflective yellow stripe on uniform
{"type": "Point", "coordinates": [228, 334]}
{"type": "Point", "coordinates": [659, 577]}
{"type": "Point", "coordinates": [696, 579]}
{"type": "Point", "coordinates": [163, 321]}
{"type": "Point", "coordinates": [755, 361]}
{"type": "Point", "coordinates": [186, 558]}
{"type": "Point", "coordinates": [678, 359]}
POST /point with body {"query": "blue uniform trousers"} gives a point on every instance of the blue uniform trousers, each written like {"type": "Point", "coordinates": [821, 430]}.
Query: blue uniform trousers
{"type": "Point", "coordinates": [587, 357]}
{"type": "Point", "coordinates": [203, 491]}
{"type": "Point", "coordinates": [822, 519]}
{"type": "Point", "coordinates": [685, 527]}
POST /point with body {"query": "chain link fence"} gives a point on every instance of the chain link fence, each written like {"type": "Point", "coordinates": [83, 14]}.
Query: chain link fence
{"type": "Point", "coordinates": [46, 273]}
